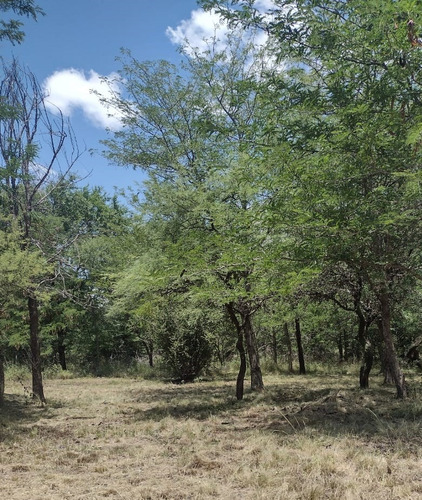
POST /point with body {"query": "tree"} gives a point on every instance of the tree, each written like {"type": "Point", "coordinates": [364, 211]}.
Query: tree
{"type": "Point", "coordinates": [348, 111]}
{"type": "Point", "coordinates": [347, 289]}
{"type": "Point", "coordinates": [92, 231]}
{"type": "Point", "coordinates": [28, 133]}
{"type": "Point", "coordinates": [10, 30]}
{"type": "Point", "coordinates": [191, 132]}
{"type": "Point", "coordinates": [20, 269]}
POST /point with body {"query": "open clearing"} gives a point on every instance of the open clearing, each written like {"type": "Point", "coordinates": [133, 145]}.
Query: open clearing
{"type": "Point", "coordinates": [305, 437]}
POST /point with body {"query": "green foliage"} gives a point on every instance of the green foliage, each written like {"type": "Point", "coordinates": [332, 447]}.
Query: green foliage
{"type": "Point", "coordinates": [184, 342]}
{"type": "Point", "coordinates": [282, 182]}
{"type": "Point", "coordinates": [19, 268]}
{"type": "Point", "coordinates": [11, 29]}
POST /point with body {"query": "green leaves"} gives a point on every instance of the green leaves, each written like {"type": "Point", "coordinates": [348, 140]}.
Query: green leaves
{"type": "Point", "coordinates": [11, 29]}
{"type": "Point", "coordinates": [19, 267]}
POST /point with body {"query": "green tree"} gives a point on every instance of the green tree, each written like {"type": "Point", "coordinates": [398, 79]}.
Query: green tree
{"type": "Point", "coordinates": [348, 117]}
{"type": "Point", "coordinates": [20, 270]}
{"type": "Point", "coordinates": [11, 31]}
{"type": "Point", "coordinates": [92, 231]}
{"type": "Point", "coordinates": [191, 131]}
{"type": "Point", "coordinates": [25, 183]}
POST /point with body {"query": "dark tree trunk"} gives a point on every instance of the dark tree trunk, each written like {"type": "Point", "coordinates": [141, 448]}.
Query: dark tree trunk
{"type": "Point", "coordinates": [390, 356]}
{"type": "Point", "coordinates": [274, 346]}
{"type": "Point", "coordinates": [240, 382]}
{"type": "Point", "coordinates": [149, 348]}
{"type": "Point", "coordinates": [1, 377]}
{"type": "Point", "coordinates": [385, 368]}
{"type": "Point", "coordinates": [242, 368]}
{"type": "Point", "coordinates": [364, 351]}
{"type": "Point", "coordinates": [365, 369]}
{"type": "Point", "coordinates": [61, 349]}
{"type": "Point", "coordinates": [298, 333]}
{"type": "Point", "coordinates": [257, 383]}
{"type": "Point", "coordinates": [37, 383]}
{"type": "Point", "coordinates": [289, 347]}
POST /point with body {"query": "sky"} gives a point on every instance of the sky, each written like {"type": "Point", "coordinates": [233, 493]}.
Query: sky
{"type": "Point", "coordinates": [77, 42]}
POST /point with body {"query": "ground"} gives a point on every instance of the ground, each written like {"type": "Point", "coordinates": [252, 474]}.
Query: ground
{"type": "Point", "coordinates": [304, 437]}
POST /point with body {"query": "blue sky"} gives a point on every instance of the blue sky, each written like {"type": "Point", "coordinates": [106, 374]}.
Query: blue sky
{"type": "Point", "coordinates": [78, 40]}
{"type": "Point", "coordinates": [76, 43]}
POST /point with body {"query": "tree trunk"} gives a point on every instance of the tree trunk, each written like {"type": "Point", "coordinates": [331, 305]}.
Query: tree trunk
{"type": "Point", "coordinates": [37, 383]}
{"type": "Point", "coordinates": [385, 368]}
{"type": "Point", "coordinates": [241, 349]}
{"type": "Point", "coordinates": [257, 383]}
{"type": "Point", "coordinates": [298, 333]}
{"type": "Point", "coordinates": [274, 345]}
{"type": "Point", "coordinates": [1, 377]}
{"type": "Point", "coordinates": [150, 352]}
{"type": "Point", "coordinates": [364, 351]}
{"type": "Point", "coordinates": [242, 368]}
{"type": "Point", "coordinates": [365, 369]}
{"type": "Point", "coordinates": [390, 356]}
{"type": "Point", "coordinates": [289, 347]}
{"type": "Point", "coordinates": [61, 349]}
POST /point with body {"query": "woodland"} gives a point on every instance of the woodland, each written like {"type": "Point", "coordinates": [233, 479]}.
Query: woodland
{"type": "Point", "coordinates": [279, 223]}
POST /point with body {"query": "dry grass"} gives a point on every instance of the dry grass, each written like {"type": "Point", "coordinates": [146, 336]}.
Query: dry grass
{"type": "Point", "coordinates": [308, 437]}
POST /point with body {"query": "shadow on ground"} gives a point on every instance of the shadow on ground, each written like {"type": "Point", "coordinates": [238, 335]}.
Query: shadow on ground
{"type": "Point", "coordinates": [196, 401]}
{"type": "Point", "coordinates": [16, 412]}
{"type": "Point", "coordinates": [334, 408]}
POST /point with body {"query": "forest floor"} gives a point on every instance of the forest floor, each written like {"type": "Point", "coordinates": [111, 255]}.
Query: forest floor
{"type": "Point", "coordinates": [305, 437]}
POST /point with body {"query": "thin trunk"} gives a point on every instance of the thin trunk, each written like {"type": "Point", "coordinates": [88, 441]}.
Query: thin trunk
{"type": "Point", "coordinates": [257, 383]}
{"type": "Point", "coordinates": [240, 382]}
{"type": "Point", "coordinates": [61, 349]}
{"type": "Point", "coordinates": [385, 368]}
{"type": "Point", "coordinates": [364, 352]}
{"type": "Point", "coordinates": [37, 383]}
{"type": "Point", "coordinates": [274, 345]}
{"type": "Point", "coordinates": [298, 333]}
{"type": "Point", "coordinates": [149, 348]}
{"type": "Point", "coordinates": [289, 347]}
{"type": "Point", "coordinates": [365, 369]}
{"type": "Point", "coordinates": [390, 356]}
{"type": "Point", "coordinates": [1, 377]}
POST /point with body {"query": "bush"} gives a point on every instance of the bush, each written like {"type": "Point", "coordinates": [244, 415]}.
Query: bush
{"type": "Point", "coordinates": [185, 348]}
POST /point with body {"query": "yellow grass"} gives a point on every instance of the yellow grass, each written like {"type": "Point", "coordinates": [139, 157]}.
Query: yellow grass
{"type": "Point", "coordinates": [307, 437]}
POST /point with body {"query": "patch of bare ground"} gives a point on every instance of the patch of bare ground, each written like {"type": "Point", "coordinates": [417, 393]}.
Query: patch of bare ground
{"type": "Point", "coordinates": [304, 437]}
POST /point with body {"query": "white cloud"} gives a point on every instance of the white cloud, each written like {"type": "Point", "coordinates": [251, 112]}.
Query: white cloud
{"type": "Point", "coordinates": [204, 26]}
{"type": "Point", "coordinates": [71, 89]}
{"type": "Point", "coordinates": [201, 26]}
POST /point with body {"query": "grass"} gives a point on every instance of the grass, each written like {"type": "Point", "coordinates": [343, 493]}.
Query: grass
{"type": "Point", "coordinates": [305, 437]}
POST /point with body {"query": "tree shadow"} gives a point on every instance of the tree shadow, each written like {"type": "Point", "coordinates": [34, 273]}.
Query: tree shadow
{"type": "Point", "coordinates": [374, 415]}
{"type": "Point", "coordinates": [195, 401]}
{"type": "Point", "coordinates": [16, 412]}
{"type": "Point", "coordinates": [294, 407]}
